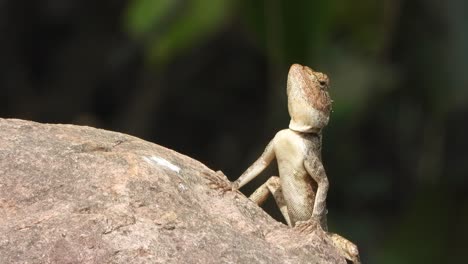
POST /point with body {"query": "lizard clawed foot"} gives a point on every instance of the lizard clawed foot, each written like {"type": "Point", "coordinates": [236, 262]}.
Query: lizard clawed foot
{"type": "Point", "coordinates": [221, 183]}
{"type": "Point", "coordinates": [347, 248]}
{"type": "Point", "coordinates": [308, 226]}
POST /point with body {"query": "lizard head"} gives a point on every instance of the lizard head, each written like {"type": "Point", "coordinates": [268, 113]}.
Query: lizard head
{"type": "Point", "coordinates": [309, 103]}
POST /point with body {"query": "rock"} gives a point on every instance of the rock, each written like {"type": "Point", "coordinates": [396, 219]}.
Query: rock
{"type": "Point", "coordinates": [73, 194]}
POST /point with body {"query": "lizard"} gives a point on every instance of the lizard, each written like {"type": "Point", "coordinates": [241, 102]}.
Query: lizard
{"type": "Point", "coordinates": [301, 189]}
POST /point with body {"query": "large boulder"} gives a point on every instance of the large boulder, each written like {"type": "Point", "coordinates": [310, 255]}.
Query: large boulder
{"type": "Point", "coordinates": [74, 194]}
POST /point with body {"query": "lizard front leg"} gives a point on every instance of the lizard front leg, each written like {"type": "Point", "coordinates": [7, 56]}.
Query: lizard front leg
{"type": "Point", "coordinates": [314, 167]}
{"type": "Point", "coordinates": [258, 166]}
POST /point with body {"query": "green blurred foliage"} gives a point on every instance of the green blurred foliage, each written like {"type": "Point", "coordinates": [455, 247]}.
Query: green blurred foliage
{"type": "Point", "coordinates": [302, 27]}
{"type": "Point", "coordinates": [144, 15]}
{"type": "Point", "coordinates": [305, 28]}
{"type": "Point", "coordinates": [167, 27]}
{"type": "Point", "coordinates": [287, 31]}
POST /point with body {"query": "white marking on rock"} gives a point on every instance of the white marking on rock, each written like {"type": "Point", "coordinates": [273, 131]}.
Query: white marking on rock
{"type": "Point", "coordinates": [162, 162]}
{"type": "Point", "coordinates": [182, 187]}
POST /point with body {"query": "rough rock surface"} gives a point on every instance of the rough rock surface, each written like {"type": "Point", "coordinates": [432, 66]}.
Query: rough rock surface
{"type": "Point", "coordinates": [72, 194]}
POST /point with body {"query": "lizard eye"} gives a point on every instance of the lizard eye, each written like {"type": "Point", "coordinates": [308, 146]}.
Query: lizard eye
{"type": "Point", "coordinates": [323, 85]}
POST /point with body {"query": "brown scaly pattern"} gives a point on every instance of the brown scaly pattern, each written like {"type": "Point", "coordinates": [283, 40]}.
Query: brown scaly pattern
{"type": "Point", "coordinates": [314, 85]}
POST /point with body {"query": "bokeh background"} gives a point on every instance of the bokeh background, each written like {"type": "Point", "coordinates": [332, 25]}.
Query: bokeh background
{"type": "Point", "coordinates": [207, 78]}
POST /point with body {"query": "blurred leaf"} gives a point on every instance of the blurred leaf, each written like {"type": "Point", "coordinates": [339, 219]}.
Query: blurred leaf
{"type": "Point", "coordinates": [144, 15]}
{"type": "Point", "coordinates": [171, 26]}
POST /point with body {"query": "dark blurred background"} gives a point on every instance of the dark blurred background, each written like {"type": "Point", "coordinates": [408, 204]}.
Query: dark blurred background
{"type": "Point", "coordinates": [208, 78]}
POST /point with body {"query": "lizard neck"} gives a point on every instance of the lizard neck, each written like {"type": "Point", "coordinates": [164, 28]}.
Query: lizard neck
{"type": "Point", "coordinates": [307, 119]}
{"type": "Point", "coordinates": [304, 128]}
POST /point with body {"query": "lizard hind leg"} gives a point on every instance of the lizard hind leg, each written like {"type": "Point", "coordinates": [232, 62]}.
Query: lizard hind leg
{"type": "Point", "coordinates": [272, 186]}
{"type": "Point", "coordinates": [347, 248]}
